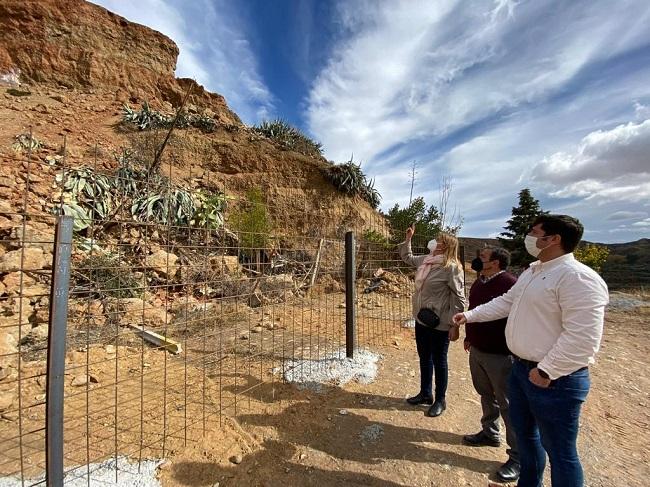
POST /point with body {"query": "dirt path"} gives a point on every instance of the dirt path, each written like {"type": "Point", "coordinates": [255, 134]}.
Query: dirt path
{"type": "Point", "coordinates": [368, 435]}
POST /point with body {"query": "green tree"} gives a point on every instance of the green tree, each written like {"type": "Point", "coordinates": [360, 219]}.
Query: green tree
{"type": "Point", "coordinates": [593, 255]}
{"type": "Point", "coordinates": [428, 220]}
{"type": "Point", "coordinates": [518, 226]}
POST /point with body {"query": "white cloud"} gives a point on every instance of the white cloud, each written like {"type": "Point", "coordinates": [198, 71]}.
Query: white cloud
{"type": "Point", "coordinates": [602, 155]}
{"type": "Point", "coordinates": [643, 223]}
{"type": "Point", "coordinates": [609, 164]}
{"type": "Point", "coordinates": [213, 48]}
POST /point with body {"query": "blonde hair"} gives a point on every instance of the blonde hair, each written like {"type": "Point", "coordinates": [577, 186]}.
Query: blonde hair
{"type": "Point", "coordinates": [450, 256]}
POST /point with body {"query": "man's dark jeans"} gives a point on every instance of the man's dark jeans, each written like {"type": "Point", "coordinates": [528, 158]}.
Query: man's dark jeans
{"type": "Point", "coordinates": [546, 420]}
{"type": "Point", "coordinates": [432, 349]}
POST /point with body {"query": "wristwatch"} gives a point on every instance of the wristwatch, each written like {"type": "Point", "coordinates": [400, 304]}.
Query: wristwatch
{"type": "Point", "coordinates": [542, 373]}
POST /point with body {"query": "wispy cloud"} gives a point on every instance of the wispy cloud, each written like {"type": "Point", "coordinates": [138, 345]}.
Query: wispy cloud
{"type": "Point", "coordinates": [479, 90]}
{"type": "Point", "coordinates": [213, 48]}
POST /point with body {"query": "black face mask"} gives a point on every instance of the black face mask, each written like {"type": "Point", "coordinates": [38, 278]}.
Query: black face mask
{"type": "Point", "coordinates": [477, 264]}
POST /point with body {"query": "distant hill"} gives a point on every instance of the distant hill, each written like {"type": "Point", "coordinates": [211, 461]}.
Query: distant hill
{"type": "Point", "coordinates": [628, 265]}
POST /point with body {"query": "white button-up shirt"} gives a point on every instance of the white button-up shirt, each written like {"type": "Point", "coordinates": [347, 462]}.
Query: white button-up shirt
{"type": "Point", "coordinates": [555, 315]}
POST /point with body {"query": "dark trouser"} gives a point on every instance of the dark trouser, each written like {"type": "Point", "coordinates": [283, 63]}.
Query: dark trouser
{"type": "Point", "coordinates": [546, 420]}
{"type": "Point", "coordinates": [432, 349]}
{"type": "Point", "coordinates": [490, 374]}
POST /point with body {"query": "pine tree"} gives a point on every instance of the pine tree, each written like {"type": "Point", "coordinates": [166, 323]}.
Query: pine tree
{"type": "Point", "coordinates": [518, 226]}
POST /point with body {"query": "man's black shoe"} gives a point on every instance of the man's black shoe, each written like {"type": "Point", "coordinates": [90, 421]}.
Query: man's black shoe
{"type": "Point", "coordinates": [509, 471]}
{"type": "Point", "coordinates": [438, 407]}
{"type": "Point", "coordinates": [481, 439]}
{"type": "Point", "coordinates": [420, 399]}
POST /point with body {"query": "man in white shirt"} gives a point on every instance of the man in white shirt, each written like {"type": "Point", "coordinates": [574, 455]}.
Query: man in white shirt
{"type": "Point", "coordinates": [555, 322]}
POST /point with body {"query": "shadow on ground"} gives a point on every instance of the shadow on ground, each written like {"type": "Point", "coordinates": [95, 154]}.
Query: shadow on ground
{"type": "Point", "coordinates": [333, 422]}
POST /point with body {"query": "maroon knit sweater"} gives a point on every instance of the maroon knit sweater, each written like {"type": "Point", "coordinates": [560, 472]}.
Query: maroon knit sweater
{"type": "Point", "coordinates": [489, 337]}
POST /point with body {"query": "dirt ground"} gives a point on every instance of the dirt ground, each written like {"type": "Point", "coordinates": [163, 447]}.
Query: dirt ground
{"type": "Point", "coordinates": [368, 435]}
{"type": "Point", "coordinates": [227, 419]}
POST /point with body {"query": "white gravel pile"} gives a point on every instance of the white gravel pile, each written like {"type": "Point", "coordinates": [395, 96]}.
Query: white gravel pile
{"type": "Point", "coordinates": [103, 474]}
{"type": "Point", "coordinates": [333, 369]}
{"type": "Point", "coordinates": [371, 433]}
{"type": "Point", "coordinates": [625, 302]}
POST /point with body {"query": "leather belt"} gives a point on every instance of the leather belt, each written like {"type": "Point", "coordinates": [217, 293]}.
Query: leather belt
{"type": "Point", "coordinates": [529, 364]}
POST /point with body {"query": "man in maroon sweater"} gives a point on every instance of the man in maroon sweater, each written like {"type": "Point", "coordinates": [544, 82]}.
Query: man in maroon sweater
{"type": "Point", "coordinates": [490, 361]}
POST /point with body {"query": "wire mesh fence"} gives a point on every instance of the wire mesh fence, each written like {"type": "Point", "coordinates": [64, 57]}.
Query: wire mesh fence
{"type": "Point", "coordinates": [182, 303]}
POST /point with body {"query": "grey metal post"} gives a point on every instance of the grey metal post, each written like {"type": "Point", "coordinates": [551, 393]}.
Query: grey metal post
{"type": "Point", "coordinates": [350, 298]}
{"type": "Point", "coordinates": [56, 350]}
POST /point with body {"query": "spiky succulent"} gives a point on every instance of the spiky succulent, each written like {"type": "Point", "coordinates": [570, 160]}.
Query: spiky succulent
{"type": "Point", "coordinates": [87, 196]}
{"type": "Point", "coordinates": [148, 119]}
{"type": "Point", "coordinates": [289, 137]}
{"type": "Point", "coordinates": [350, 179]}
{"type": "Point", "coordinates": [25, 142]}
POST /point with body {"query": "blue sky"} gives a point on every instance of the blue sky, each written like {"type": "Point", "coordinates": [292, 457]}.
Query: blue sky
{"type": "Point", "coordinates": [496, 95]}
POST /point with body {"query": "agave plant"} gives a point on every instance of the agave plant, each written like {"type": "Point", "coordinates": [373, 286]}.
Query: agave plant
{"type": "Point", "coordinates": [147, 119]}
{"type": "Point", "coordinates": [147, 196]}
{"type": "Point", "coordinates": [25, 142]}
{"type": "Point", "coordinates": [132, 178]}
{"type": "Point", "coordinates": [371, 194]}
{"type": "Point", "coordinates": [87, 196]}
{"type": "Point", "coordinates": [204, 123]}
{"type": "Point", "coordinates": [350, 179]}
{"type": "Point", "coordinates": [289, 137]}
{"type": "Point", "coordinates": [79, 214]}
{"type": "Point", "coordinates": [171, 206]}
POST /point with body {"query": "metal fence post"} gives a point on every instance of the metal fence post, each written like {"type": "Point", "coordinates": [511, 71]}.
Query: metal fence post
{"type": "Point", "coordinates": [350, 294]}
{"type": "Point", "coordinates": [462, 261]}
{"type": "Point", "coordinates": [56, 350]}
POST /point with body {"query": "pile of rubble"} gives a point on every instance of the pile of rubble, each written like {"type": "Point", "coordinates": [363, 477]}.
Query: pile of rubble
{"type": "Point", "coordinates": [385, 282]}
{"type": "Point", "coordinates": [25, 260]}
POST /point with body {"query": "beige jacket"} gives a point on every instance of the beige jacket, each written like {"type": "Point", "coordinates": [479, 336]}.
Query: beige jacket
{"type": "Point", "coordinates": [442, 290]}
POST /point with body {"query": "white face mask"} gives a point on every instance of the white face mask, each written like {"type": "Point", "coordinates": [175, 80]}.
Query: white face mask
{"type": "Point", "coordinates": [432, 245]}
{"type": "Point", "coordinates": [531, 245]}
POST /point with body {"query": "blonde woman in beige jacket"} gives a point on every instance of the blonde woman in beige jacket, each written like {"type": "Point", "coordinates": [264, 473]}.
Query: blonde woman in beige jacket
{"type": "Point", "coordinates": [438, 296]}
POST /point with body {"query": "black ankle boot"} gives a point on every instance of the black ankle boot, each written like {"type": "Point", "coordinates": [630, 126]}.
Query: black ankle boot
{"type": "Point", "coordinates": [420, 399]}
{"type": "Point", "coordinates": [438, 407]}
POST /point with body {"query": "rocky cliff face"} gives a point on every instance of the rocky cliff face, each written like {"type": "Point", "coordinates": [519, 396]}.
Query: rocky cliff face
{"type": "Point", "coordinates": [76, 64]}
{"type": "Point", "coordinates": [75, 44]}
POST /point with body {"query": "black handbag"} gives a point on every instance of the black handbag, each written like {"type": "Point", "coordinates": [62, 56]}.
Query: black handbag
{"type": "Point", "coordinates": [428, 317]}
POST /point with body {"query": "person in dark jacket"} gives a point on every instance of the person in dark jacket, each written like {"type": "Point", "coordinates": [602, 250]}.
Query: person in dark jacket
{"type": "Point", "coordinates": [490, 361]}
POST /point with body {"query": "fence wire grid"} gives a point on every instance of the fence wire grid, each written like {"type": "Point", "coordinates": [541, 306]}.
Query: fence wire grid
{"type": "Point", "coordinates": [172, 325]}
